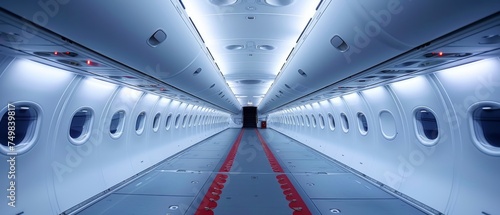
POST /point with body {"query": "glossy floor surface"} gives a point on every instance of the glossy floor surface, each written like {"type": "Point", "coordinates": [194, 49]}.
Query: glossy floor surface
{"type": "Point", "coordinates": [251, 184]}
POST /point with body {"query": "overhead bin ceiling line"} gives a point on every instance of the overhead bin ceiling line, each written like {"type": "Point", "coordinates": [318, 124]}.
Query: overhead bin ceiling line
{"type": "Point", "coordinates": [419, 60]}
{"type": "Point", "coordinates": [250, 41]}
{"type": "Point", "coordinates": [94, 56]}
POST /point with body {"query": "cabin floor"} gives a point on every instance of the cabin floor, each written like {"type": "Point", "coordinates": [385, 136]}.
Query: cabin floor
{"type": "Point", "coordinates": [250, 171]}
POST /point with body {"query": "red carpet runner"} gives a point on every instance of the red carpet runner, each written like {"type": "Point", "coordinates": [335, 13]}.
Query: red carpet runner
{"type": "Point", "coordinates": [209, 201]}
{"type": "Point", "coordinates": [298, 205]}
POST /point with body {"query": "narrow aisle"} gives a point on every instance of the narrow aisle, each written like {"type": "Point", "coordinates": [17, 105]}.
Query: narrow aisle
{"type": "Point", "coordinates": [251, 186]}
{"type": "Point", "coordinates": [249, 172]}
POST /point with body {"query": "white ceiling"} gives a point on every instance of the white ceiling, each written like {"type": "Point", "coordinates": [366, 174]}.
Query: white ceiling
{"type": "Point", "coordinates": [250, 39]}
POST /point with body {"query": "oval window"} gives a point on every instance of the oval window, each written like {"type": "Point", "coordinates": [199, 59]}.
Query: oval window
{"type": "Point", "coordinates": [139, 123]}
{"type": "Point", "coordinates": [485, 124]}
{"type": "Point", "coordinates": [345, 122]}
{"type": "Point", "coordinates": [387, 125]}
{"type": "Point", "coordinates": [321, 121]}
{"type": "Point", "coordinates": [302, 120]}
{"type": "Point", "coordinates": [190, 121]}
{"type": "Point", "coordinates": [427, 126]}
{"type": "Point", "coordinates": [19, 125]}
{"type": "Point", "coordinates": [308, 121]}
{"type": "Point", "coordinates": [81, 122]}
{"type": "Point", "coordinates": [362, 123]}
{"type": "Point", "coordinates": [156, 122]}
{"type": "Point", "coordinates": [184, 121]}
{"type": "Point", "coordinates": [331, 121]}
{"type": "Point", "coordinates": [117, 124]}
{"type": "Point", "coordinates": [177, 121]}
{"type": "Point", "coordinates": [168, 121]}
{"type": "Point", "coordinates": [195, 121]}
{"type": "Point", "coordinates": [314, 122]}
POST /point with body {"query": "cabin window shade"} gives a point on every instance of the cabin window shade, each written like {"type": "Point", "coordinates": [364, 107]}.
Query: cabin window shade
{"type": "Point", "coordinates": [387, 125]}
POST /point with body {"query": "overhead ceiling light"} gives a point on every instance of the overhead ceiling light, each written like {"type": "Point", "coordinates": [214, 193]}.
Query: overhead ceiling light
{"type": "Point", "coordinates": [235, 47]}
{"type": "Point", "coordinates": [223, 2]}
{"type": "Point", "coordinates": [215, 32]}
{"type": "Point", "coordinates": [265, 47]}
{"type": "Point", "coordinates": [279, 3]}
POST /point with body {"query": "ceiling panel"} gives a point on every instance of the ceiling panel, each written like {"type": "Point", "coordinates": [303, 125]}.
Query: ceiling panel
{"type": "Point", "coordinates": [250, 40]}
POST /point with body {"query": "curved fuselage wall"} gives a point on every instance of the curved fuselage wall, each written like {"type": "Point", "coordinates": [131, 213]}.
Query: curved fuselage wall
{"type": "Point", "coordinates": [59, 171]}
{"type": "Point", "coordinates": [449, 172]}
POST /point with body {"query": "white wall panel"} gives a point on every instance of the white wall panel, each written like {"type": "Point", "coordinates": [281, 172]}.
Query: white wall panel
{"type": "Point", "coordinates": [476, 173]}
{"type": "Point", "coordinates": [462, 177]}
{"type": "Point", "coordinates": [425, 167]}
{"type": "Point", "coordinates": [76, 163]}
{"type": "Point", "coordinates": [50, 85]}
{"type": "Point", "coordinates": [69, 172]}
{"type": "Point", "coordinates": [117, 166]}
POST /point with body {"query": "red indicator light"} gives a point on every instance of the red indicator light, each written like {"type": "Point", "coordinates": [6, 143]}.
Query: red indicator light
{"type": "Point", "coordinates": [440, 54]}
{"type": "Point", "coordinates": [56, 53]}
{"type": "Point", "coordinates": [89, 62]}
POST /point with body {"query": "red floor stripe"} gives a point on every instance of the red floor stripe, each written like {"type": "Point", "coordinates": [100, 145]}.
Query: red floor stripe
{"type": "Point", "coordinates": [298, 205]}
{"type": "Point", "coordinates": [209, 202]}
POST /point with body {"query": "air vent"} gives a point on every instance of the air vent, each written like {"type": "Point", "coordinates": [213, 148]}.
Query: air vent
{"type": "Point", "coordinates": [448, 55]}
{"type": "Point", "coordinates": [490, 39]}
{"type": "Point", "coordinates": [212, 86]}
{"type": "Point", "coordinates": [339, 43]}
{"type": "Point", "coordinates": [43, 54]}
{"type": "Point", "coordinates": [195, 73]}
{"type": "Point", "coordinates": [387, 77]}
{"type": "Point", "coordinates": [287, 86]}
{"type": "Point", "coordinates": [120, 77]}
{"type": "Point", "coordinates": [70, 54]}
{"type": "Point", "coordinates": [407, 63]}
{"type": "Point", "coordinates": [250, 17]}
{"type": "Point", "coordinates": [431, 63]}
{"type": "Point", "coordinates": [11, 37]}
{"type": "Point", "coordinates": [392, 71]}
{"type": "Point", "coordinates": [346, 88]}
{"type": "Point", "coordinates": [158, 37]}
{"type": "Point", "coordinates": [301, 72]}
{"type": "Point", "coordinates": [56, 54]}
{"type": "Point", "coordinates": [70, 62]}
